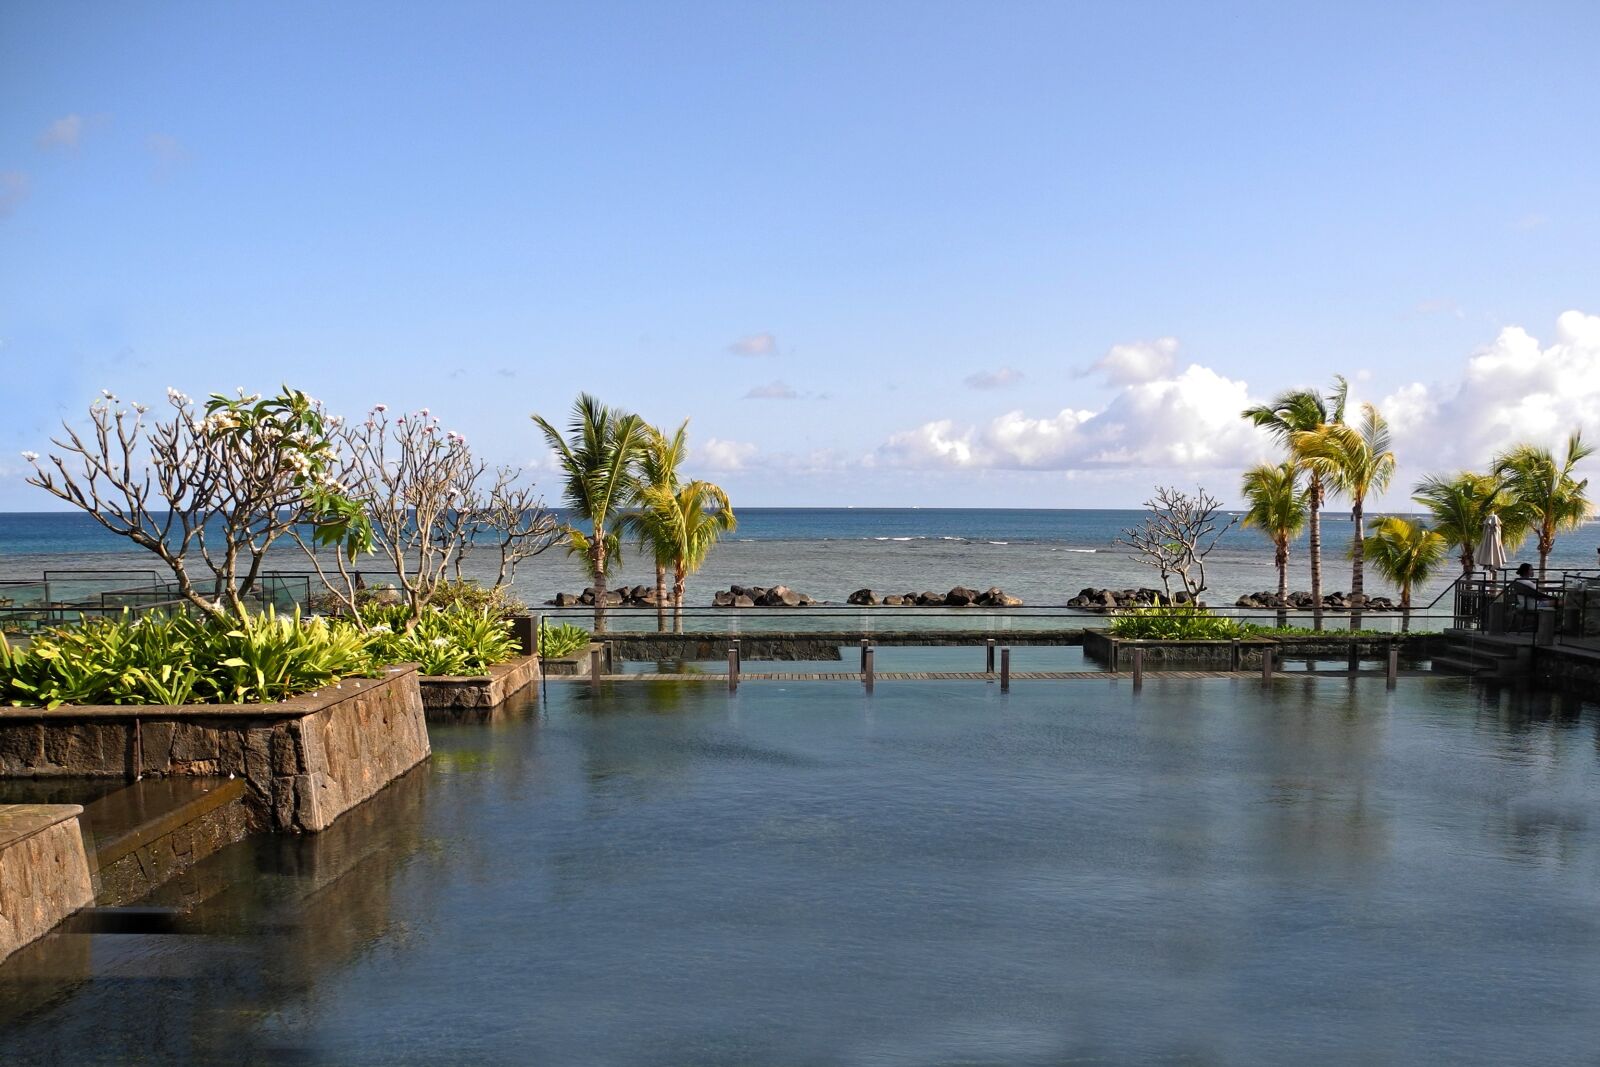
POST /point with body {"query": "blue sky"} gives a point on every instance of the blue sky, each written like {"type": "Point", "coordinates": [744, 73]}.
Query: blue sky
{"type": "Point", "coordinates": [874, 250]}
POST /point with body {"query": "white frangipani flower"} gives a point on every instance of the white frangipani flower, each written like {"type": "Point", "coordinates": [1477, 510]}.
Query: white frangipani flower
{"type": "Point", "coordinates": [31, 457]}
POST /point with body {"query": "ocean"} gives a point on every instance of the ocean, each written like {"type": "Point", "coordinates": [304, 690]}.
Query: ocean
{"type": "Point", "coordinates": [1044, 556]}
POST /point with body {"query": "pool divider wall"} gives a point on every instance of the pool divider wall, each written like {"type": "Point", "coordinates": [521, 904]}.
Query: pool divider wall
{"type": "Point", "coordinates": [1116, 653]}
{"type": "Point", "coordinates": [44, 871]}
{"type": "Point", "coordinates": [306, 760]}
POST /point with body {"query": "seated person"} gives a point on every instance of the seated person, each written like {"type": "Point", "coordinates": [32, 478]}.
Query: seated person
{"type": "Point", "coordinates": [1525, 592]}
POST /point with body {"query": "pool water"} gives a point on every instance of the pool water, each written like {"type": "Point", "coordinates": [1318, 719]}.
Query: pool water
{"type": "Point", "coordinates": [1207, 872]}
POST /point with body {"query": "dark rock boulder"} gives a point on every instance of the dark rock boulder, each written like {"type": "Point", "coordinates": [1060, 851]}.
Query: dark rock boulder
{"type": "Point", "coordinates": [961, 596]}
{"type": "Point", "coordinates": [865, 597]}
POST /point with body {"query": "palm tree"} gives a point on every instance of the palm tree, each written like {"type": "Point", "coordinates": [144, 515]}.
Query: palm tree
{"type": "Point", "coordinates": [1278, 507]}
{"type": "Point", "coordinates": [1353, 461]}
{"type": "Point", "coordinates": [1300, 411]}
{"type": "Point", "coordinates": [1546, 491]}
{"type": "Point", "coordinates": [1461, 503]}
{"type": "Point", "coordinates": [697, 513]}
{"type": "Point", "coordinates": [658, 468]}
{"type": "Point", "coordinates": [598, 457]}
{"type": "Point", "coordinates": [1406, 554]}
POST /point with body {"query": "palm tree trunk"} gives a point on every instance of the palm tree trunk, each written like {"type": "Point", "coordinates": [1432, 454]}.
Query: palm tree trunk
{"type": "Point", "coordinates": [1358, 561]}
{"type": "Point", "coordinates": [598, 552]}
{"type": "Point", "coordinates": [1405, 607]}
{"type": "Point", "coordinates": [678, 577]}
{"type": "Point", "coordinates": [1283, 582]}
{"type": "Point", "coordinates": [1316, 553]}
{"type": "Point", "coordinates": [661, 597]}
{"type": "Point", "coordinates": [1547, 541]}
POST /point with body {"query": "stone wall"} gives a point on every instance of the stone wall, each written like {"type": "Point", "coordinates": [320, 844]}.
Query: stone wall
{"type": "Point", "coordinates": [479, 691]}
{"type": "Point", "coordinates": [1567, 670]}
{"type": "Point", "coordinates": [306, 760]}
{"type": "Point", "coordinates": [44, 872]}
{"type": "Point", "coordinates": [128, 865]}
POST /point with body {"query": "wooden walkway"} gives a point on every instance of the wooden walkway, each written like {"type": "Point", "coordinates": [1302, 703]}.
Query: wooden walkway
{"type": "Point", "coordinates": [973, 676]}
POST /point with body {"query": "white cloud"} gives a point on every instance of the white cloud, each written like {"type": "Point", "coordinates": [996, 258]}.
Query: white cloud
{"type": "Point", "coordinates": [994, 379]}
{"type": "Point", "coordinates": [1140, 361]}
{"type": "Point", "coordinates": [64, 132]}
{"type": "Point", "coordinates": [1184, 421]}
{"type": "Point", "coordinates": [772, 391]}
{"type": "Point", "coordinates": [719, 455]}
{"type": "Point", "coordinates": [1514, 389]}
{"type": "Point", "coordinates": [13, 190]}
{"type": "Point", "coordinates": [755, 344]}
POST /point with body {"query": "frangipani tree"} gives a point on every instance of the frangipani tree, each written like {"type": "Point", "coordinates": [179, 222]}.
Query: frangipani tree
{"type": "Point", "coordinates": [1547, 490]}
{"type": "Point", "coordinates": [1406, 554]}
{"type": "Point", "coordinates": [209, 488]}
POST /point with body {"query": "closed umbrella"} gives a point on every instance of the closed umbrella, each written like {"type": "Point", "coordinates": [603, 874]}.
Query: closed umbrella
{"type": "Point", "coordinates": [1492, 546]}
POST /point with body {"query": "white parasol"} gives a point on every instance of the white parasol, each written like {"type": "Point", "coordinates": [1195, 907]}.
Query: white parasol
{"type": "Point", "coordinates": [1492, 546]}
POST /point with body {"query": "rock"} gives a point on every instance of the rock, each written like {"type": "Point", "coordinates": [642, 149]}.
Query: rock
{"type": "Point", "coordinates": [640, 592]}
{"type": "Point", "coordinates": [894, 600]}
{"type": "Point", "coordinates": [587, 596]}
{"type": "Point", "coordinates": [961, 596]}
{"type": "Point", "coordinates": [1106, 599]}
{"type": "Point", "coordinates": [862, 596]}
{"type": "Point", "coordinates": [723, 600]}
{"type": "Point", "coordinates": [930, 599]}
{"type": "Point", "coordinates": [743, 602]}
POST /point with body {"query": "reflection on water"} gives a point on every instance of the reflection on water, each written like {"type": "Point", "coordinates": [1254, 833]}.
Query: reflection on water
{"type": "Point", "coordinates": [1203, 872]}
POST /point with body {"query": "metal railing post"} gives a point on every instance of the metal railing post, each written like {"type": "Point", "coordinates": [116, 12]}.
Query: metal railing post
{"type": "Point", "coordinates": [1138, 669]}
{"type": "Point", "coordinates": [1355, 658]}
{"type": "Point", "coordinates": [988, 656]}
{"type": "Point", "coordinates": [867, 668]}
{"type": "Point", "coordinates": [594, 666]}
{"type": "Point", "coordinates": [866, 651]}
{"type": "Point", "coordinates": [733, 669]}
{"type": "Point", "coordinates": [1266, 664]}
{"type": "Point", "coordinates": [1391, 674]}
{"type": "Point", "coordinates": [1005, 670]}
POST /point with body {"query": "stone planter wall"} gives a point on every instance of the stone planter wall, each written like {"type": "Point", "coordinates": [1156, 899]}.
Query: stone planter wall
{"type": "Point", "coordinates": [44, 871]}
{"type": "Point", "coordinates": [479, 691]}
{"type": "Point", "coordinates": [306, 760]}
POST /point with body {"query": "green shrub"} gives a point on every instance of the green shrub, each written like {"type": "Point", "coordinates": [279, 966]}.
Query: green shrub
{"type": "Point", "coordinates": [497, 600]}
{"type": "Point", "coordinates": [176, 659]}
{"type": "Point", "coordinates": [1174, 622]}
{"type": "Point", "coordinates": [460, 640]}
{"type": "Point", "coordinates": [558, 642]}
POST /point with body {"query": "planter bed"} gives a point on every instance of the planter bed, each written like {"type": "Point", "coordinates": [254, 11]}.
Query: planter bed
{"type": "Point", "coordinates": [305, 761]}
{"type": "Point", "coordinates": [479, 691]}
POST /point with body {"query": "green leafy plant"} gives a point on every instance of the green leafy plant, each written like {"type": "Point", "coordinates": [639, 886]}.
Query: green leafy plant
{"type": "Point", "coordinates": [1174, 622]}
{"type": "Point", "coordinates": [179, 659]}
{"type": "Point", "coordinates": [559, 642]}
{"type": "Point", "coordinates": [460, 640]}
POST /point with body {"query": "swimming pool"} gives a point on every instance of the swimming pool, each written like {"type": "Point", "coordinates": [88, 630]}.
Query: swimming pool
{"type": "Point", "coordinates": [653, 873]}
